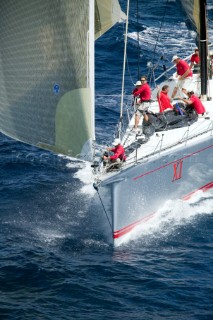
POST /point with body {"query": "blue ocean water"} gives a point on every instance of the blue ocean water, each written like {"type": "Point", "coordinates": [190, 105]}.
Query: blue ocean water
{"type": "Point", "coordinates": [56, 261]}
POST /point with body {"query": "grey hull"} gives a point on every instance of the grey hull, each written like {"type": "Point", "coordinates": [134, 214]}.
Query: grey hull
{"type": "Point", "coordinates": [137, 192]}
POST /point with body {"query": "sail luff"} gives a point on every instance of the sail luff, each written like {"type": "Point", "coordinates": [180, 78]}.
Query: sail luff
{"type": "Point", "coordinates": [91, 50]}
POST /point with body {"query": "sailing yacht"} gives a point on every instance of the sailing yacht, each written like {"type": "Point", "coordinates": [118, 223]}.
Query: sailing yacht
{"type": "Point", "coordinates": [174, 161]}
{"type": "Point", "coordinates": [47, 100]}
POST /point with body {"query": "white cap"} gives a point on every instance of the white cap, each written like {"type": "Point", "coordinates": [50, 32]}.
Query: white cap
{"type": "Point", "coordinates": [138, 83]}
{"type": "Point", "coordinates": [116, 142]}
{"type": "Point", "coordinates": [174, 58]}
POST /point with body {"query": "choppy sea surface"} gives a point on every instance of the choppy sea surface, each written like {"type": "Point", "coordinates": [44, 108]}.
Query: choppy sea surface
{"type": "Point", "coordinates": [56, 261]}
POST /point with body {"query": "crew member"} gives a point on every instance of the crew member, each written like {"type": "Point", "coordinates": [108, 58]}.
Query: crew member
{"type": "Point", "coordinates": [195, 102]}
{"type": "Point", "coordinates": [184, 75]}
{"type": "Point", "coordinates": [164, 100]}
{"type": "Point", "coordinates": [145, 95]}
{"type": "Point", "coordinates": [118, 150]}
{"type": "Point", "coordinates": [195, 60]}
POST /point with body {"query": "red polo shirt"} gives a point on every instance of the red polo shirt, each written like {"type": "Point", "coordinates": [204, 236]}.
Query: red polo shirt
{"type": "Point", "coordinates": [197, 104]}
{"type": "Point", "coordinates": [118, 153]}
{"type": "Point", "coordinates": [164, 101]}
{"type": "Point", "coordinates": [182, 66]}
{"type": "Point", "coordinates": [144, 92]}
{"type": "Point", "coordinates": [195, 58]}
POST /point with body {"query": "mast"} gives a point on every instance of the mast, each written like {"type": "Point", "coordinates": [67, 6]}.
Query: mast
{"type": "Point", "coordinates": [203, 49]}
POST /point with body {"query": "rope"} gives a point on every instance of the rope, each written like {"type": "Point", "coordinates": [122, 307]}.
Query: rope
{"type": "Point", "coordinates": [96, 188]}
{"type": "Point", "coordinates": [131, 79]}
{"type": "Point", "coordinates": [127, 63]}
{"type": "Point", "coordinates": [159, 31]}
{"type": "Point", "coordinates": [158, 35]}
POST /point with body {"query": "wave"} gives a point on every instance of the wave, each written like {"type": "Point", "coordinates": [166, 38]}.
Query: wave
{"type": "Point", "coordinates": [172, 216]}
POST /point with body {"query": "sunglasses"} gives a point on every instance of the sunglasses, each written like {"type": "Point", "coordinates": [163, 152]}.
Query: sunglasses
{"type": "Point", "coordinates": [143, 79]}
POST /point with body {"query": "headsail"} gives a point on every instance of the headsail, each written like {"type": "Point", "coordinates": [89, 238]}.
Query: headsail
{"type": "Point", "coordinates": [47, 73]}
{"type": "Point", "coordinates": [107, 13]}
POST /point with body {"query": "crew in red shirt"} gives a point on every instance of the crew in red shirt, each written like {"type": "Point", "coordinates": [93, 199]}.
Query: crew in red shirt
{"type": "Point", "coordinates": [195, 58]}
{"type": "Point", "coordinates": [183, 69]}
{"type": "Point", "coordinates": [145, 95]}
{"type": "Point", "coordinates": [184, 75]}
{"type": "Point", "coordinates": [195, 102]}
{"type": "Point", "coordinates": [164, 100]}
{"type": "Point", "coordinates": [118, 150]}
{"type": "Point", "coordinates": [144, 92]}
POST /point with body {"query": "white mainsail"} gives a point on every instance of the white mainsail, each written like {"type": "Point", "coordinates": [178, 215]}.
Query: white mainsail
{"type": "Point", "coordinates": [47, 72]}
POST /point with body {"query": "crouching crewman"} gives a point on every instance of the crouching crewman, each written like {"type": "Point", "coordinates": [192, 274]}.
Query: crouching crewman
{"type": "Point", "coordinates": [119, 154]}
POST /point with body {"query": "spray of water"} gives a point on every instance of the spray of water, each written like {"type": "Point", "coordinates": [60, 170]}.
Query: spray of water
{"type": "Point", "coordinates": [171, 216]}
{"type": "Point", "coordinates": [165, 221]}
{"type": "Point", "coordinates": [85, 175]}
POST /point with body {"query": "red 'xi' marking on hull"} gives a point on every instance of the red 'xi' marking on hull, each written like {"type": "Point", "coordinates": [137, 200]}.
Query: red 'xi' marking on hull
{"type": "Point", "coordinates": [177, 166]}
{"type": "Point", "coordinates": [170, 163]}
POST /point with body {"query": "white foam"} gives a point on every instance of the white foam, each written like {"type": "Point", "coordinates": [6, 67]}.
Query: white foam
{"type": "Point", "coordinates": [74, 165]}
{"type": "Point", "coordinates": [50, 235]}
{"type": "Point", "coordinates": [68, 158]}
{"type": "Point", "coordinates": [85, 175]}
{"type": "Point", "coordinates": [166, 45]}
{"type": "Point", "coordinates": [172, 215]}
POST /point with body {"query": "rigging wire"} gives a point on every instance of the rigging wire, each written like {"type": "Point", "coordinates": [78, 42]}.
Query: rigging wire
{"type": "Point", "coordinates": [138, 41]}
{"type": "Point", "coordinates": [124, 65]}
{"type": "Point", "coordinates": [131, 79]}
{"type": "Point", "coordinates": [154, 51]}
{"type": "Point", "coordinates": [127, 63]}
{"type": "Point", "coordinates": [164, 14]}
{"type": "Point", "coordinates": [96, 188]}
